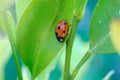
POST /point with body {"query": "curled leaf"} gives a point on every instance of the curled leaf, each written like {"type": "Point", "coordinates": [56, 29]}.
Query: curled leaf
{"type": "Point", "coordinates": [79, 8]}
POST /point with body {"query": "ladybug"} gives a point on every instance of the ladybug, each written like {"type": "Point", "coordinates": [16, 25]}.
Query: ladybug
{"type": "Point", "coordinates": [61, 30]}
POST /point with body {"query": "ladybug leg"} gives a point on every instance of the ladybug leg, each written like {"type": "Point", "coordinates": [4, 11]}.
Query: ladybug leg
{"type": "Point", "coordinates": [69, 31]}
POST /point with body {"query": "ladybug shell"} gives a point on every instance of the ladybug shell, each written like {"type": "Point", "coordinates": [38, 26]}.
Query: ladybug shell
{"type": "Point", "coordinates": [61, 30]}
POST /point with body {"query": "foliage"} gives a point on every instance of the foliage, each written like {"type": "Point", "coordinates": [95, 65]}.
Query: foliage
{"type": "Point", "coordinates": [35, 34]}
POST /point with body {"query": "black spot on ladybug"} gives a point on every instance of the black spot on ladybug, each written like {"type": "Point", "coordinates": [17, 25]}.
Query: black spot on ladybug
{"type": "Point", "coordinates": [58, 27]}
{"type": "Point", "coordinates": [63, 31]}
{"type": "Point", "coordinates": [64, 23]}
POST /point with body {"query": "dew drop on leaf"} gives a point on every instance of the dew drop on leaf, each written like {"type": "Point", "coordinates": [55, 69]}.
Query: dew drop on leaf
{"type": "Point", "coordinates": [100, 21]}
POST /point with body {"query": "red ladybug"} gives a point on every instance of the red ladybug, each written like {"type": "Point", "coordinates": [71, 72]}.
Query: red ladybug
{"type": "Point", "coordinates": [61, 30]}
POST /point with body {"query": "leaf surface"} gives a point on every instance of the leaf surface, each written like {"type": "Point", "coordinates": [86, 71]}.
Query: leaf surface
{"type": "Point", "coordinates": [104, 13]}
{"type": "Point", "coordinates": [36, 40]}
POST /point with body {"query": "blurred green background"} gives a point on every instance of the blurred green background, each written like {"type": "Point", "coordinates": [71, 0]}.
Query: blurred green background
{"type": "Point", "coordinates": [96, 68]}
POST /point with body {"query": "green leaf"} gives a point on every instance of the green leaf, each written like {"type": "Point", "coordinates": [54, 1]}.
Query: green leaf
{"type": "Point", "coordinates": [9, 26]}
{"type": "Point", "coordinates": [21, 5]}
{"type": "Point", "coordinates": [104, 13]}
{"type": "Point", "coordinates": [36, 40]}
{"type": "Point", "coordinates": [3, 23]}
{"type": "Point", "coordinates": [5, 48]}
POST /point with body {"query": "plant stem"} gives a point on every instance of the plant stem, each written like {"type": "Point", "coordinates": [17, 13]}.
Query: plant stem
{"type": "Point", "coordinates": [7, 17]}
{"type": "Point", "coordinates": [84, 59]}
{"type": "Point", "coordinates": [69, 44]}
